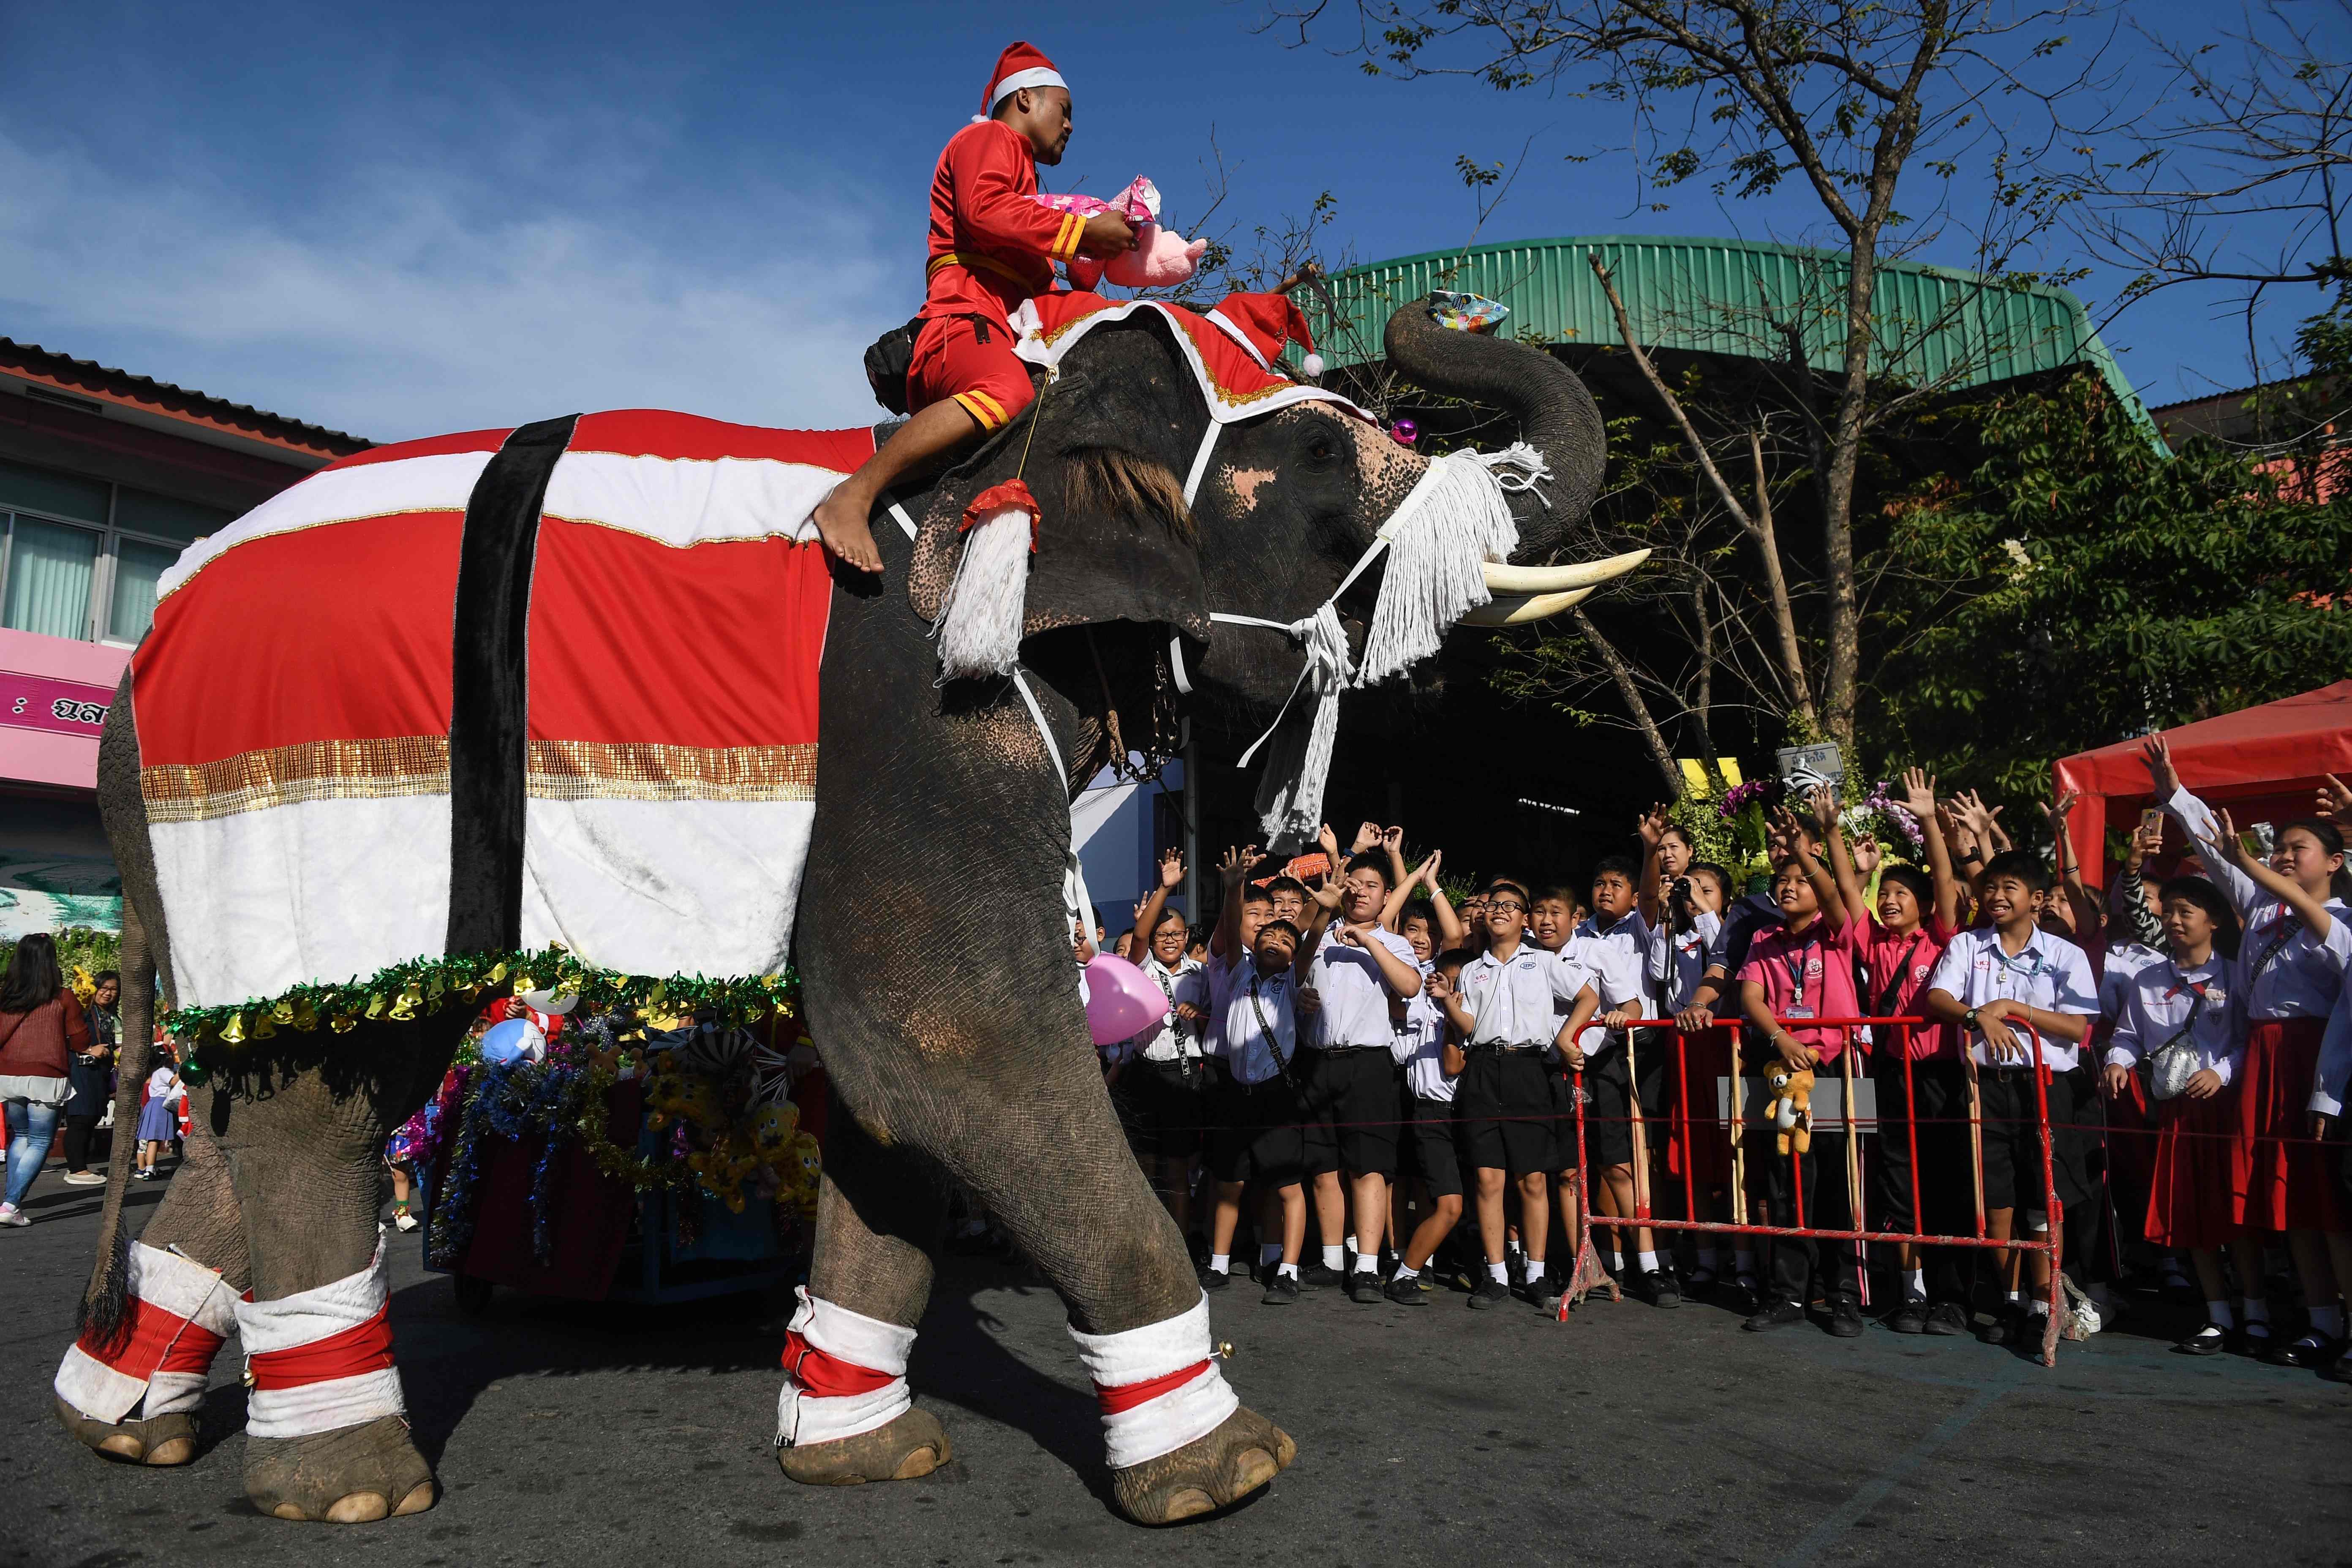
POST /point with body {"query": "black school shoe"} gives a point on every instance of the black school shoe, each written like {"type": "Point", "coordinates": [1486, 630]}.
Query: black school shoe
{"type": "Point", "coordinates": [1540, 1293]}
{"type": "Point", "coordinates": [2313, 1349]}
{"type": "Point", "coordinates": [2341, 1372]}
{"type": "Point", "coordinates": [1282, 1291]}
{"type": "Point", "coordinates": [1949, 1318]}
{"type": "Point", "coordinates": [1846, 1319]}
{"type": "Point", "coordinates": [1489, 1292]}
{"type": "Point", "coordinates": [1214, 1279]}
{"type": "Point", "coordinates": [2211, 1340]}
{"type": "Point", "coordinates": [1364, 1287]}
{"type": "Point", "coordinates": [1911, 1317]}
{"type": "Point", "coordinates": [1659, 1286]}
{"type": "Point", "coordinates": [1406, 1291]}
{"type": "Point", "coordinates": [2007, 1324]}
{"type": "Point", "coordinates": [1775, 1314]}
{"type": "Point", "coordinates": [1318, 1275]}
{"type": "Point", "coordinates": [1739, 1295]}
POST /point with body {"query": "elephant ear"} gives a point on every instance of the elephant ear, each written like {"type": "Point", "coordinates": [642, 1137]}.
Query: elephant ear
{"type": "Point", "coordinates": [1114, 539]}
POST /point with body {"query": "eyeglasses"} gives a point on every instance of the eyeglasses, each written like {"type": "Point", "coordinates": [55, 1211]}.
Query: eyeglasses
{"type": "Point", "coordinates": [1515, 907]}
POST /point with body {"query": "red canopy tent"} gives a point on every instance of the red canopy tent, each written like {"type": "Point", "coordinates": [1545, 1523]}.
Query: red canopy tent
{"type": "Point", "coordinates": [2263, 764]}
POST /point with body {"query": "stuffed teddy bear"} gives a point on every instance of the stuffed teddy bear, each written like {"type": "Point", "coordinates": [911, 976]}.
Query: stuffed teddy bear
{"type": "Point", "coordinates": [1160, 258]}
{"type": "Point", "coordinates": [1791, 1110]}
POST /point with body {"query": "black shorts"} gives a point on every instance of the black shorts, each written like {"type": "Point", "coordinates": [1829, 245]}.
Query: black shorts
{"type": "Point", "coordinates": [1351, 1112]}
{"type": "Point", "coordinates": [1429, 1140]}
{"type": "Point", "coordinates": [2012, 1141]}
{"type": "Point", "coordinates": [1505, 1114]}
{"type": "Point", "coordinates": [1163, 1107]}
{"type": "Point", "coordinates": [1254, 1133]}
{"type": "Point", "coordinates": [1609, 1113]}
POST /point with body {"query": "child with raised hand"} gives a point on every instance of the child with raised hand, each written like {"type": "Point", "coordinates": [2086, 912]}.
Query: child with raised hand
{"type": "Point", "coordinates": [2298, 934]}
{"type": "Point", "coordinates": [1163, 1081]}
{"type": "Point", "coordinates": [1801, 971]}
{"type": "Point", "coordinates": [1253, 1109]}
{"type": "Point", "coordinates": [1610, 947]}
{"type": "Point", "coordinates": [1505, 1003]}
{"type": "Point", "coordinates": [1431, 1059]}
{"type": "Point", "coordinates": [1922, 1088]}
{"type": "Point", "coordinates": [1693, 902]}
{"type": "Point", "coordinates": [2183, 1019]}
{"type": "Point", "coordinates": [2007, 984]}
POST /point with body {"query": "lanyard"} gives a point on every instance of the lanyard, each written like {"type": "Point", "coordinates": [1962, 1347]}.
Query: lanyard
{"type": "Point", "coordinates": [2030, 963]}
{"type": "Point", "coordinates": [1892, 992]}
{"type": "Point", "coordinates": [1796, 965]}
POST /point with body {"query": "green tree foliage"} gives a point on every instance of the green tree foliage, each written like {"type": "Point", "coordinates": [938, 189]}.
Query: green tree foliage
{"type": "Point", "coordinates": [2079, 588]}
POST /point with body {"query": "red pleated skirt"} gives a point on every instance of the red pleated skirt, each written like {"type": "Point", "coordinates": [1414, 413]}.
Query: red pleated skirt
{"type": "Point", "coordinates": [2191, 1197]}
{"type": "Point", "coordinates": [2280, 1179]}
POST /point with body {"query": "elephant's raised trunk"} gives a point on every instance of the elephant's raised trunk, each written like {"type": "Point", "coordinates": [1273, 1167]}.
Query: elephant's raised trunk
{"type": "Point", "coordinates": [1557, 416]}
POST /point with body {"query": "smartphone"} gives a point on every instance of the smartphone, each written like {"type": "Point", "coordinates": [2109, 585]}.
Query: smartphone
{"type": "Point", "coordinates": [2151, 821]}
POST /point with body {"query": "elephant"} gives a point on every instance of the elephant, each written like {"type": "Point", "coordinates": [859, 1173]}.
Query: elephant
{"type": "Point", "coordinates": [952, 1033]}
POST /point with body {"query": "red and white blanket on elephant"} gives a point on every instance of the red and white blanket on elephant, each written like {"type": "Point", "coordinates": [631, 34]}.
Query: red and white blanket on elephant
{"type": "Point", "coordinates": [677, 613]}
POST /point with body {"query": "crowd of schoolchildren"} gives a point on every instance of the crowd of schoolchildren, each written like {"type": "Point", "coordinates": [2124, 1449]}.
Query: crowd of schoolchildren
{"type": "Point", "coordinates": [1407, 1075]}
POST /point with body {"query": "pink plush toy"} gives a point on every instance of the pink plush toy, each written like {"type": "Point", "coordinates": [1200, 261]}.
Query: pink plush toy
{"type": "Point", "coordinates": [1160, 257]}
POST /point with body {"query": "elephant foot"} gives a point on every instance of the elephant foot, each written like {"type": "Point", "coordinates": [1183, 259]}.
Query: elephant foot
{"type": "Point", "coordinates": [350, 1476]}
{"type": "Point", "coordinates": [910, 1445]}
{"type": "Point", "coordinates": [158, 1440]}
{"type": "Point", "coordinates": [1206, 1474]}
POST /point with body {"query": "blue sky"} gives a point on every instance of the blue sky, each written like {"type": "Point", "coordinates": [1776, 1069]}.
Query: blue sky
{"type": "Point", "coordinates": [399, 220]}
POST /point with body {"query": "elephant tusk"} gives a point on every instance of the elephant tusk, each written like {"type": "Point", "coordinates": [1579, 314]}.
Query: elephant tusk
{"type": "Point", "coordinates": [1519, 609]}
{"type": "Point", "coordinates": [1547, 580]}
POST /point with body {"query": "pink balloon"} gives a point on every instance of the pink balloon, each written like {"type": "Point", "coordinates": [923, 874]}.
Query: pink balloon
{"type": "Point", "coordinates": [1121, 1000]}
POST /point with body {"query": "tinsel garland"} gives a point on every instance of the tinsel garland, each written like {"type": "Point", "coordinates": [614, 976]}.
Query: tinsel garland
{"type": "Point", "coordinates": [423, 985]}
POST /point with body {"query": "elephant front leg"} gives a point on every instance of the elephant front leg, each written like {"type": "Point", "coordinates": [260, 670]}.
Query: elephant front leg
{"type": "Point", "coordinates": [845, 1415]}
{"type": "Point", "coordinates": [326, 1429]}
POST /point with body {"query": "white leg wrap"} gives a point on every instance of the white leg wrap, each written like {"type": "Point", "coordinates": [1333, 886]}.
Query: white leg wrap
{"type": "Point", "coordinates": [843, 1373]}
{"type": "Point", "coordinates": [180, 1311]}
{"type": "Point", "coordinates": [1158, 1385]}
{"type": "Point", "coordinates": [345, 1384]}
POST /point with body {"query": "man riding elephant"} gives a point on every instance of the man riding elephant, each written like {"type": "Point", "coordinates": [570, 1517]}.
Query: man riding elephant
{"type": "Point", "coordinates": [666, 741]}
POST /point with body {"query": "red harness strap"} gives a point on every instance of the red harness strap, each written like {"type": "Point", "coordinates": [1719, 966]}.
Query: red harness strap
{"type": "Point", "coordinates": [362, 1348]}
{"type": "Point", "coordinates": [156, 1340]}
{"type": "Point", "coordinates": [825, 1376]}
{"type": "Point", "coordinates": [1128, 1395]}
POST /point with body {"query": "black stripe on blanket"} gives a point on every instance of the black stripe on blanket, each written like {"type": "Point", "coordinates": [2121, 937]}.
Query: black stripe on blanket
{"type": "Point", "coordinates": [490, 682]}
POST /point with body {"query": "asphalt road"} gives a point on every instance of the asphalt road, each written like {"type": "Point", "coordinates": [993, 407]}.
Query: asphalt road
{"type": "Point", "coordinates": [581, 1437]}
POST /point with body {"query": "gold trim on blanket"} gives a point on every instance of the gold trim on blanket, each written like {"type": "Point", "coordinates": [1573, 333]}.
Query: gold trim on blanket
{"type": "Point", "coordinates": [597, 770]}
{"type": "Point", "coordinates": [285, 775]}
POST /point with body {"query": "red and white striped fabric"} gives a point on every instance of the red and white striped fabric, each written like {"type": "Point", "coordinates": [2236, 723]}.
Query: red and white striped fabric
{"type": "Point", "coordinates": [294, 707]}
{"type": "Point", "coordinates": [843, 1373]}
{"type": "Point", "coordinates": [179, 1313]}
{"type": "Point", "coordinates": [1158, 1385]}
{"type": "Point", "coordinates": [320, 1360]}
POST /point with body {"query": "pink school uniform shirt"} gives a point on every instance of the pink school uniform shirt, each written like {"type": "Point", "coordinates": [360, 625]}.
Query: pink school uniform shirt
{"type": "Point", "coordinates": [1902, 964]}
{"type": "Point", "coordinates": [1809, 972]}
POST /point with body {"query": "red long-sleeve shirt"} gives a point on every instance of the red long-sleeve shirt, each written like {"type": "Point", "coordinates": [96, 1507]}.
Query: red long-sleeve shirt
{"type": "Point", "coordinates": [991, 245]}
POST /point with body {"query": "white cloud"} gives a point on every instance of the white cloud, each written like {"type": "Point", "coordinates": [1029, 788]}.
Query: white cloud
{"type": "Point", "coordinates": [405, 301]}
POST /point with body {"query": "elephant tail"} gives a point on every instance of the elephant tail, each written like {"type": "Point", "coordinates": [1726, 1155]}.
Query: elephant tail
{"type": "Point", "coordinates": [104, 1318]}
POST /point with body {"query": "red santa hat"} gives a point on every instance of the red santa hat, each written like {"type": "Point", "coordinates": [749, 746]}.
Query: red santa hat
{"type": "Point", "coordinates": [1021, 65]}
{"type": "Point", "coordinates": [1263, 323]}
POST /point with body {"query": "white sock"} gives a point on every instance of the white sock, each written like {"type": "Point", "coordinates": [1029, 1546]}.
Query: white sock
{"type": "Point", "coordinates": [2015, 1297]}
{"type": "Point", "coordinates": [1221, 1263]}
{"type": "Point", "coordinates": [1269, 1252]}
{"type": "Point", "coordinates": [1500, 1273]}
{"type": "Point", "coordinates": [1352, 1246]}
{"type": "Point", "coordinates": [1744, 1260]}
{"type": "Point", "coordinates": [1616, 1260]}
{"type": "Point", "coordinates": [1404, 1273]}
{"type": "Point", "coordinates": [1368, 1263]}
{"type": "Point", "coordinates": [1917, 1279]}
{"type": "Point", "coordinates": [2039, 1307]}
{"type": "Point", "coordinates": [1332, 1258]}
{"type": "Point", "coordinates": [2328, 1320]}
{"type": "Point", "coordinates": [2258, 1311]}
{"type": "Point", "coordinates": [1649, 1263]}
{"type": "Point", "coordinates": [1288, 1271]}
{"type": "Point", "coordinates": [2219, 1312]}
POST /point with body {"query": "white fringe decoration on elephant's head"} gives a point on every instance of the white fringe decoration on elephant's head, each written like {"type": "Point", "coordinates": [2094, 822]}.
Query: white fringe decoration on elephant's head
{"type": "Point", "coordinates": [1456, 518]}
{"type": "Point", "coordinates": [982, 616]}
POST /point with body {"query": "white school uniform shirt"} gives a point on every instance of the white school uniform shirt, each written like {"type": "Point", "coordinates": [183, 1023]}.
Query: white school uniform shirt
{"type": "Point", "coordinates": [2304, 976]}
{"type": "Point", "coordinates": [2332, 1084]}
{"type": "Point", "coordinates": [1420, 1044]}
{"type": "Point", "coordinates": [2049, 973]}
{"type": "Point", "coordinates": [2125, 961]}
{"type": "Point", "coordinates": [1172, 1039]}
{"type": "Point", "coordinates": [2157, 1001]}
{"type": "Point", "coordinates": [1354, 992]}
{"type": "Point", "coordinates": [1259, 1017]}
{"type": "Point", "coordinates": [1677, 960]}
{"type": "Point", "coordinates": [1613, 961]}
{"type": "Point", "coordinates": [1518, 1001]}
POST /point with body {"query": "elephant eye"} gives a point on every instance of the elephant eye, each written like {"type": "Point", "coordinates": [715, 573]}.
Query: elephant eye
{"type": "Point", "coordinates": [1321, 451]}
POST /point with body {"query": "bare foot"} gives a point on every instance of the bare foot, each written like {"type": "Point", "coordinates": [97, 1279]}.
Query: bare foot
{"type": "Point", "coordinates": [841, 524]}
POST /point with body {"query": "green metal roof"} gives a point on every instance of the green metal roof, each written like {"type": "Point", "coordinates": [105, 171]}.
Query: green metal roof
{"type": "Point", "coordinates": [1937, 325]}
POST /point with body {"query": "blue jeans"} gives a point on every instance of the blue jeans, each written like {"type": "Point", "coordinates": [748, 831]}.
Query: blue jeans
{"type": "Point", "coordinates": [31, 1128]}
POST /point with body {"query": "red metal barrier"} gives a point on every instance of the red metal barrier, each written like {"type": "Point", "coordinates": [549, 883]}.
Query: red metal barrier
{"type": "Point", "coordinates": [1588, 1261]}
